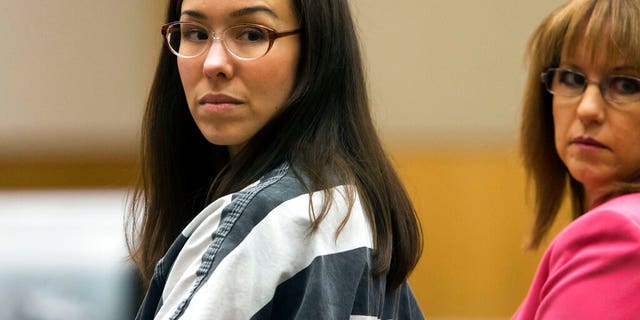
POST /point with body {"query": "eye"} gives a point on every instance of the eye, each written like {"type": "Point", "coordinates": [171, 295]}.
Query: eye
{"type": "Point", "coordinates": [570, 79]}
{"type": "Point", "coordinates": [248, 34]}
{"type": "Point", "coordinates": [624, 85]}
{"type": "Point", "coordinates": [193, 33]}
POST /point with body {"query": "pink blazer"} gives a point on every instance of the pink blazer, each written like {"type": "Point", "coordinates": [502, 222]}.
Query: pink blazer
{"type": "Point", "coordinates": [591, 270]}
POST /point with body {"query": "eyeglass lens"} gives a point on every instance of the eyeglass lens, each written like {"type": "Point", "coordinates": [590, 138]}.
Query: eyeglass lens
{"type": "Point", "coordinates": [568, 83]}
{"type": "Point", "coordinates": [243, 41]}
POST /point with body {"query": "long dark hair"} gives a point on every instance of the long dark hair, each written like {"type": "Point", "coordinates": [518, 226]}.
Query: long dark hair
{"type": "Point", "coordinates": [609, 26]}
{"type": "Point", "coordinates": [325, 130]}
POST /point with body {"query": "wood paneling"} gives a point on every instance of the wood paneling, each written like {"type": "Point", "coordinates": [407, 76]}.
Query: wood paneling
{"type": "Point", "coordinates": [58, 174]}
{"type": "Point", "coordinates": [475, 216]}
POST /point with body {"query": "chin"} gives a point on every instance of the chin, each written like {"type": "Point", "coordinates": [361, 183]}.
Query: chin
{"type": "Point", "coordinates": [223, 141]}
{"type": "Point", "coordinates": [591, 180]}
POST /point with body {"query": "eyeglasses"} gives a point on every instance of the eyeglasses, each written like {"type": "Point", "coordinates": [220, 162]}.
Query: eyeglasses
{"type": "Point", "coordinates": [565, 82]}
{"type": "Point", "coordinates": [243, 41]}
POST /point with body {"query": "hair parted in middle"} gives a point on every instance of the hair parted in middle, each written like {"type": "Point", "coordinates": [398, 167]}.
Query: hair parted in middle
{"type": "Point", "coordinates": [324, 129]}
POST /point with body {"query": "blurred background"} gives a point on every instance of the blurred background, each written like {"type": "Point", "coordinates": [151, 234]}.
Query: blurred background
{"type": "Point", "coordinates": [445, 81]}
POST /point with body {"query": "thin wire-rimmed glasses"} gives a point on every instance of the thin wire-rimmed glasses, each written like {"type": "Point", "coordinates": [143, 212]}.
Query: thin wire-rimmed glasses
{"type": "Point", "coordinates": [619, 89]}
{"type": "Point", "coordinates": [243, 41]}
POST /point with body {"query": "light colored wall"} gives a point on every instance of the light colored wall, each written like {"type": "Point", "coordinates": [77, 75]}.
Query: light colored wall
{"type": "Point", "coordinates": [74, 76]}
{"type": "Point", "coordinates": [447, 72]}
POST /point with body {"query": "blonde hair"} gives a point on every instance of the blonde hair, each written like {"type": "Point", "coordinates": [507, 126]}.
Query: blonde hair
{"type": "Point", "coordinates": [609, 28]}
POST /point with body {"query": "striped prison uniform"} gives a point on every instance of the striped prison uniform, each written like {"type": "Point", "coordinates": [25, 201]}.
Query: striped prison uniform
{"type": "Point", "coordinates": [252, 255]}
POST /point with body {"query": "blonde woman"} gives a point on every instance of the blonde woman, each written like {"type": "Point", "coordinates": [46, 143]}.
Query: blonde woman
{"type": "Point", "coordinates": [581, 131]}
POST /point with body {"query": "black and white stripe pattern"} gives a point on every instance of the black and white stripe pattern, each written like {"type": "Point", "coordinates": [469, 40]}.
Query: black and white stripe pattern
{"type": "Point", "coordinates": [251, 255]}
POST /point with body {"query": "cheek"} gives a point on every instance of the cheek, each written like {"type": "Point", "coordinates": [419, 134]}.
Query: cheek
{"type": "Point", "coordinates": [626, 131]}
{"type": "Point", "coordinates": [274, 84]}
{"type": "Point", "coordinates": [563, 116]}
{"type": "Point", "coordinates": [627, 147]}
{"type": "Point", "coordinates": [188, 75]}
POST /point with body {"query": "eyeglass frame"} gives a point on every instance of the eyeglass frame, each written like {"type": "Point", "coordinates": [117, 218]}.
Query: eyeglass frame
{"type": "Point", "coordinates": [602, 85]}
{"type": "Point", "coordinates": [213, 36]}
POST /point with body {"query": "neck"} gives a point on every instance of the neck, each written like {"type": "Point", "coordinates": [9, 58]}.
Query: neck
{"type": "Point", "coordinates": [593, 196]}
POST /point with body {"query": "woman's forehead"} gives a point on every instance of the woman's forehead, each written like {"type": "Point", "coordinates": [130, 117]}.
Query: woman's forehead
{"type": "Point", "coordinates": [279, 7]}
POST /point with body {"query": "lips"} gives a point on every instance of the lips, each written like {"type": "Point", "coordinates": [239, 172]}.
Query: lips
{"type": "Point", "coordinates": [218, 99]}
{"type": "Point", "coordinates": [590, 142]}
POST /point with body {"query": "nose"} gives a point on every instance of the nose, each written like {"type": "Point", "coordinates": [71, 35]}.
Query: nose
{"type": "Point", "coordinates": [218, 63]}
{"type": "Point", "coordinates": [592, 106]}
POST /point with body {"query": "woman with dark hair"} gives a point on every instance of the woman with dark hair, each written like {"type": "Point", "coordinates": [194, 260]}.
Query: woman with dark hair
{"type": "Point", "coordinates": [265, 192]}
{"type": "Point", "coordinates": [581, 130]}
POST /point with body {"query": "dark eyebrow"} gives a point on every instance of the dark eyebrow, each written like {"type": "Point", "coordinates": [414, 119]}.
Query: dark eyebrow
{"type": "Point", "coordinates": [193, 14]}
{"type": "Point", "coordinates": [571, 67]}
{"type": "Point", "coordinates": [621, 69]}
{"type": "Point", "coordinates": [252, 10]}
{"type": "Point", "coordinates": [238, 13]}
